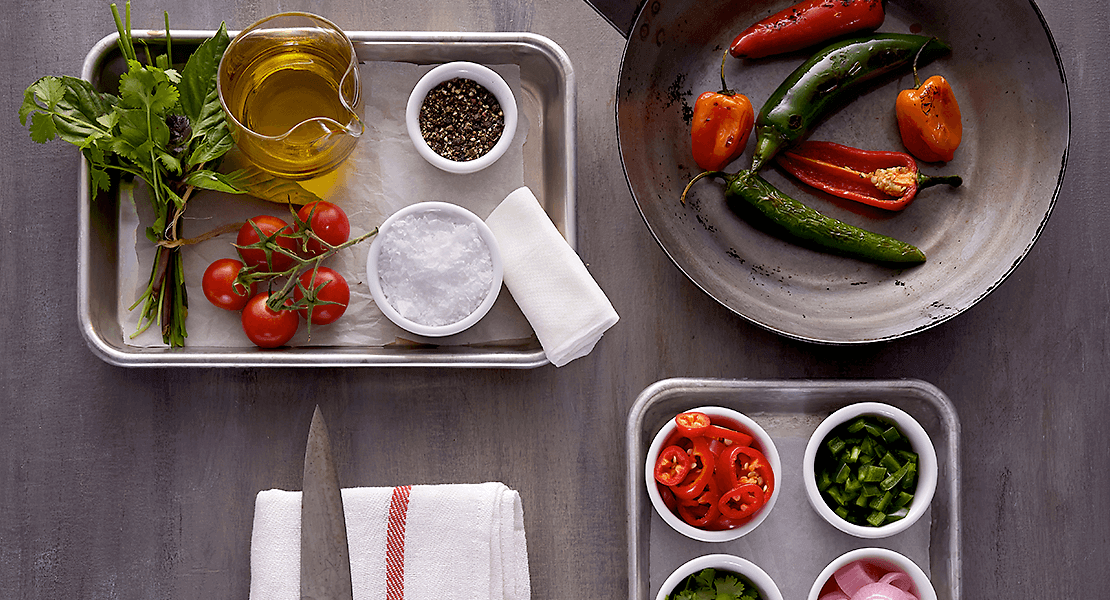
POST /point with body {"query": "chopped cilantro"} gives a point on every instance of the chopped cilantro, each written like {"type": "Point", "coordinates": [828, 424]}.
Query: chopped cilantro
{"type": "Point", "coordinates": [711, 584]}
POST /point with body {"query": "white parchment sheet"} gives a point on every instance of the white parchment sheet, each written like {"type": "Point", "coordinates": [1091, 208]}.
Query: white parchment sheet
{"type": "Point", "coordinates": [382, 175]}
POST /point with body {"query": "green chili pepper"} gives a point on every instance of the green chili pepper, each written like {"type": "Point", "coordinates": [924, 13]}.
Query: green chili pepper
{"type": "Point", "coordinates": [747, 190]}
{"type": "Point", "coordinates": [878, 490]}
{"type": "Point", "coordinates": [829, 79]}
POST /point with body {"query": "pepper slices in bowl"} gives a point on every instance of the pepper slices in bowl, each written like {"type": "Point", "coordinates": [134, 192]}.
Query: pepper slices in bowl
{"type": "Point", "coordinates": [711, 473]}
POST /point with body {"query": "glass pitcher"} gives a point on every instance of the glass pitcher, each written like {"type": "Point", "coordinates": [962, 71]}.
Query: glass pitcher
{"type": "Point", "coordinates": [290, 88]}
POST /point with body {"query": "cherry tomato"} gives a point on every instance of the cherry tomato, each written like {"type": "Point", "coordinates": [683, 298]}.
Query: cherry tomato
{"type": "Point", "coordinates": [266, 328]}
{"type": "Point", "coordinates": [256, 257]}
{"type": "Point", "coordinates": [219, 284]}
{"type": "Point", "coordinates": [328, 222]}
{"type": "Point", "coordinates": [329, 286]}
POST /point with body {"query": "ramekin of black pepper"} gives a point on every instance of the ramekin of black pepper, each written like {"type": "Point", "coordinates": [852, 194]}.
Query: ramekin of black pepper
{"type": "Point", "coordinates": [461, 117]}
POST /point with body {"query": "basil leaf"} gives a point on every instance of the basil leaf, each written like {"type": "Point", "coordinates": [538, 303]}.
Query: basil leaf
{"type": "Point", "coordinates": [211, 136]}
{"type": "Point", "coordinates": [139, 136]}
{"type": "Point", "coordinates": [211, 180]}
{"type": "Point", "coordinates": [263, 185]}
{"type": "Point", "coordinates": [198, 78]}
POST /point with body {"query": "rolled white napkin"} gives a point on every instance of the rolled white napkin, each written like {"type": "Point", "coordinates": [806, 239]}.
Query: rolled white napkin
{"type": "Point", "coordinates": [423, 542]}
{"type": "Point", "coordinates": [565, 306]}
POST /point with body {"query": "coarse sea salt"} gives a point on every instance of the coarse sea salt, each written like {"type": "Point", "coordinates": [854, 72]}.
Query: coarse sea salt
{"type": "Point", "coordinates": [435, 269]}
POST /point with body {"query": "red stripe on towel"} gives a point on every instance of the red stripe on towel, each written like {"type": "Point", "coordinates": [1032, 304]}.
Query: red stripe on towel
{"type": "Point", "coordinates": [395, 544]}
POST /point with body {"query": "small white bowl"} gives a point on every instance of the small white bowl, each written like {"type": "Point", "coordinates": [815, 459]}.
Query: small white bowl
{"type": "Point", "coordinates": [485, 77]}
{"type": "Point", "coordinates": [723, 562]}
{"type": "Point", "coordinates": [374, 280]}
{"type": "Point", "coordinates": [763, 443]}
{"type": "Point", "coordinates": [887, 559]}
{"type": "Point", "coordinates": [926, 467]}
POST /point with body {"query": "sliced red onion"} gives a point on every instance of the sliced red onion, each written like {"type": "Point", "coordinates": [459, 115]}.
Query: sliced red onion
{"type": "Point", "coordinates": [899, 580]}
{"type": "Point", "coordinates": [882, 591]}
{"type": "Point", "coordinates": [856, 574]}
{"type": "Point", "coordinates": [835, 595]}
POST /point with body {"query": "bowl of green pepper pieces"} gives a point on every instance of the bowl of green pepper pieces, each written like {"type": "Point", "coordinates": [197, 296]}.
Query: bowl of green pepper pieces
{"type": "Point", "coordinates": [870, 470]}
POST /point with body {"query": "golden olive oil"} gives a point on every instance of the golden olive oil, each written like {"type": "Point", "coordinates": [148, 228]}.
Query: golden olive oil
{"type": "Point", "coordinates": [282, 89]}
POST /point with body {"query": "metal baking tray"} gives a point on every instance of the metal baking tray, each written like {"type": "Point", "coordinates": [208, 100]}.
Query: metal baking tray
{"type": "Point", "coordinates": [794, 544]}
{"type": "Point", "coordinates": [550, 170]}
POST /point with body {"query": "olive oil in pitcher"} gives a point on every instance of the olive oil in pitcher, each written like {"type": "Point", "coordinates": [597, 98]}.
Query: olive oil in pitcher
{"type": "Point", "coordinates": [293, 96]}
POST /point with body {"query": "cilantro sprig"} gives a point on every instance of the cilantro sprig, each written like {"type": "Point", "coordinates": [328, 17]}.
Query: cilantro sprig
{"type": "Point", "coordinates": [711, 584]}
{"type": "Point", "coordinates": [167, 128]}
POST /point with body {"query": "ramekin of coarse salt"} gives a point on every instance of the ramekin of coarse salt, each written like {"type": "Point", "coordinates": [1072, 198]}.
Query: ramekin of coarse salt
{"type": "Point", "coordinates": [434, 268]}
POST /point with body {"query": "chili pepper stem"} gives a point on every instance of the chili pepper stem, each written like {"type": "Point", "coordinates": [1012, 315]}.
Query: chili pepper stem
{"type": "Point", "coordinates": [724, 86]}
{"type": "Point", "coordinates": [697, 178]}
{"type": "Point", "coordinates": [916, 79]}
{"type": "Point", "coordinates": [924, 181]}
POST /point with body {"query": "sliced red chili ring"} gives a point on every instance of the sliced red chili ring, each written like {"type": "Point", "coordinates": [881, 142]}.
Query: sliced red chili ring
{"type": "Point", "coordinates": [741, 501]}
{"type": "Point", "coordinates": [692, 423]}
{"type": "Point", "coordinates": [731, 436]}
{"type": "Point", "coordinates": [672, 466]}
{"type": "Point", "coordinates": [745, 464]}
{"type": "Point", "coordinates": [701, 471]}
{"type": "Point", "coordinates": [704, 511]}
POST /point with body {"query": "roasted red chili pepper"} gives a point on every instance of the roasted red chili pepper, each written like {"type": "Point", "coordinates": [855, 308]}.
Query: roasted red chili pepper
{"type": "Point", "coordinates": [692, 423]}
{"type": "Point", "coordinates": [741, 501]}
{"type": "Point", "coordinates": [672, 466]}
{"type": "Point", "coordinates": [744, 464]}
{"type": "Point", "coordinates": [722, 123]}
{"type": "Point", "coordinates": [929, 119]}
{"type": "Point", "coordinates": [887, 180]}
{"type": "Point", "coordinates": [807, 23]}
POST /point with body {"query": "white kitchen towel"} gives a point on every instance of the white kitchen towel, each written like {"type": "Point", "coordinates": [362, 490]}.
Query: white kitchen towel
{"type": "Point", "coordinates": [565, 306]}
{"type": "Point", "coordinates": [421, 542]}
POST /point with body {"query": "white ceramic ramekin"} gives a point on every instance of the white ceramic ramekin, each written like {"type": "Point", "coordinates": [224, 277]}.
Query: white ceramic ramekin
{"type": "Point", "coordinates": [888, 560]}
{"type": "Point", "coordinates": [374, 281]}
{"type": "Point", "coordinates": [926, 467]}
{"type": "Point", "coordinates": [763, 443]}
{"type": "Point", "coordinates": [485, 77]}
{"type": "Point", "coordinates": [723, 562]}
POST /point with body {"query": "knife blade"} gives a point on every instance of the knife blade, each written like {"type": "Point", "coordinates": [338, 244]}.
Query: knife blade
{"type": "Point", "coordinates": [325, 557]}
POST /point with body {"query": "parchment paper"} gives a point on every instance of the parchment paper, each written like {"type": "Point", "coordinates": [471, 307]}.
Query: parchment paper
{"type": "Point", "coordinates": [382, 175]}
{"type": "Point", "coordinates": [794, 544]}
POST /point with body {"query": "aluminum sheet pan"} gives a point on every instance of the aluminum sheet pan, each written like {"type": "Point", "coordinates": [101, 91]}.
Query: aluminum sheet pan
{"type": "Point", "coordinates": [794, 544]}
{"type": "Point", "coordinates": [550, 170]}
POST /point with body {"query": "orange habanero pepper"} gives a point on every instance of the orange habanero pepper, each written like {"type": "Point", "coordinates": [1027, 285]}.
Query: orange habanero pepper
{"type": "Point", "coordinates": [929, 119]}
{"type": "Point", "coordinates": [721, 126]}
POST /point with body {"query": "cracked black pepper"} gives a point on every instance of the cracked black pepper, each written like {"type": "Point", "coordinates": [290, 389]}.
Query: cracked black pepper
{"type": "Point", "coordinates": [461, 120]}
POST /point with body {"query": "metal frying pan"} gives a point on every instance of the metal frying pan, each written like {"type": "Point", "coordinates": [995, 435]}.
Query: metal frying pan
{"type": "Point", "coordinates": [1009, 81]}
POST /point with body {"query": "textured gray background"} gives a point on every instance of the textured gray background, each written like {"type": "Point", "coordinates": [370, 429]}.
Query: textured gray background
{"type": "Point", "coordinates": [118, 483]}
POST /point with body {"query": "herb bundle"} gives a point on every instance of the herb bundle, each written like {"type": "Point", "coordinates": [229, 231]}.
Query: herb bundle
{"type": "Point", "coordinates": [165, 127]}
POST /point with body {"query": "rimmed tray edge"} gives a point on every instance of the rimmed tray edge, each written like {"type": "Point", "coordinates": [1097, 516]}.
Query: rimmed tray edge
{"type": "Point", "coordinates": [565, 160]}
{"type": "Point", "coordinates": [639, 510]}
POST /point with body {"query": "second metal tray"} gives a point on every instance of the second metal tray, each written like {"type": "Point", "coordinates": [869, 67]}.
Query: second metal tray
{"type": "Point", "coordinates": [548, 86]}
{"type": "Point", "coordinates": [793, 545]}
